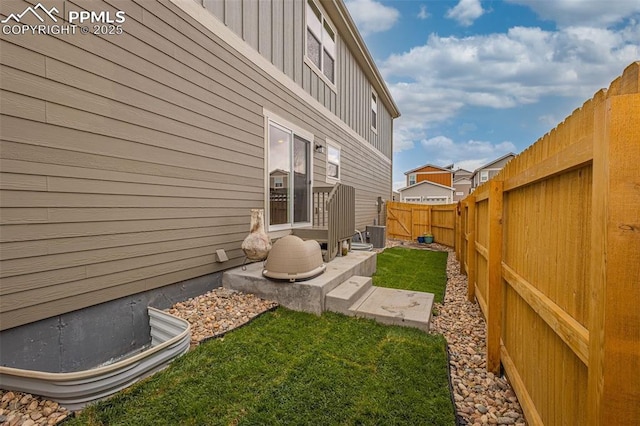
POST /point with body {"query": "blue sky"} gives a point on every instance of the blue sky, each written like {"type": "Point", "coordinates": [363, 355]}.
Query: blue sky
{"type": "Point", "coordinates": [477, 79]}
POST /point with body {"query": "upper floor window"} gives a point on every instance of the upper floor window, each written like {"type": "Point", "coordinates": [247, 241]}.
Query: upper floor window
{"type": "Point", "coordinates": [484, 175]}
{"type": "Point", "coordinates": [374, 111]}
{"type": "Point", "coordinates": [412, 179]}
{"type": "Point", "coordinates": [321, 42]}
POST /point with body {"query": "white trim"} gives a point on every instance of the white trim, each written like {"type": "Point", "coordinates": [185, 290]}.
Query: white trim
{"type": "Point", "coordinates": [211, 23]}
{"type": "Point", "coordinates": [374, 95]}
{"type": "Point", "coordinates": [330, 179]}
{"type": "Point", "coordinates": [286, 125]}
{"type": "Point", "coordinates": [424, 182]}
{"type": "Point", "coordinates": [289, 125]}
{"type": "Point", "coordinates": [333, 85]}
{"type": "Point", "coordinates": [319, 73]}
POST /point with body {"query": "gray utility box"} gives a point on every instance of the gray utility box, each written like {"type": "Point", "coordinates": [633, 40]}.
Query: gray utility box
{"type": "Point", "coordinates": [377, 235]}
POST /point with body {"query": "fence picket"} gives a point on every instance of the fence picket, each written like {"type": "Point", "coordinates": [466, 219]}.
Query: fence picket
{"type": "Point", "coordinates": [553, 259]}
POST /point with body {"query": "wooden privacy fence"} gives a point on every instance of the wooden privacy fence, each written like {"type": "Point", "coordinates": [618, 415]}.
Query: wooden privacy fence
{"type": "Point", "coordinates": [407, 221]}
{"type": "Point", "coordinates": [551, 247]}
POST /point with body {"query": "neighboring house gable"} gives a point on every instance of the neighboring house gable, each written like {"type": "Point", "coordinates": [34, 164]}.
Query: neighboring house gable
{"type": "Point", "coordinates": [489, 170]}
{"type": "Point", "coordinates": [461, 184]}
{"type": "Point", "coordinates": [431, 173]}
{"type": "Point", "coordinates": [427, 192]}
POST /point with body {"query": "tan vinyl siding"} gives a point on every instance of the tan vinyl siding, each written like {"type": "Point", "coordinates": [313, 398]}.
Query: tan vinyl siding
{"type": "Point", "coordinates": [282, 34]}
{"type": "Point", "coordinates": [127, 160]}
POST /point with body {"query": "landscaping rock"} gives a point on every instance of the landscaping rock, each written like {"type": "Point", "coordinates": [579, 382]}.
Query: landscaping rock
{"type": "Point", "coordinates": [21, 409]}
{"type": "Point", "coordinates": [462, 324]}
{"type": "Point", "coordinates": [211, 314]}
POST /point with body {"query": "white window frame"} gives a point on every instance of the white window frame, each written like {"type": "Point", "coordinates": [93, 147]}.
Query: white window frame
{"type": "Point", "coordinates": [329, 43]}
{"type": "Point", "coordinates": [414, 177]}
{"type": "Point", "coordinates": [330, 179]}
{"type": "Point", "coordinates": [435, 198]}
{"type": "Point", "coordinates": [412, 199]}
{"type": "Point", "coordinates": [270, 117]}
{"type": "Point", "coordinates": [374, 111]}
{"type": "Point", "coordinates": [484, 175]}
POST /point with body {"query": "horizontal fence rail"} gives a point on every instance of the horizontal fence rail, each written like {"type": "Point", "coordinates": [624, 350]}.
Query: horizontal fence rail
{"type": "Point", "coordinates": [551, 248]}
{"type": "Point", "coordinates": [408, 221]}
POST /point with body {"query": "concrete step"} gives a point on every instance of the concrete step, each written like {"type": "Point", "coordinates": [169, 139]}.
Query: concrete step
{"type": "Point", "coordinates": [395, 307]}
{"type": "Point", "coordinates": [306, 295]}
{"type": "Point", "coordinates": [341, 298]}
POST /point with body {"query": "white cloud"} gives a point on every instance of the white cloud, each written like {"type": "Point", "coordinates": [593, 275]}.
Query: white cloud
{"type": "Point", "coordinates": [397, 184]}
{"type": "Point", "coordinates": [466, 12]}
{"type": "Point", "coordinates": [423, 14]}
{"type": "Point", "coordinates": [470, 154]}
{"type": "Point", "coordinates": [372, 16]}
{"type": "Point", "coordinates": [434, 82]}
{"type": "Point", "coordinates": [572, 12]}
{"type": "Point", "coordinates": [549, 120]}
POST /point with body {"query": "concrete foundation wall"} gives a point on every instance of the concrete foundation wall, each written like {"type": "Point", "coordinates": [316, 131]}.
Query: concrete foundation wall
{"type": "Point", "coordinates": [88, 337]}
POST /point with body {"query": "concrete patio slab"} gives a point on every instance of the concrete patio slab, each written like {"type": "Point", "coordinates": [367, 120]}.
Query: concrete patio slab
{"type": "Point", "coordinates": [396, 307]}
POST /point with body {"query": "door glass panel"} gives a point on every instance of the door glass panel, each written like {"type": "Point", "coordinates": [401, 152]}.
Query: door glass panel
{"type": "Point", "coordinates": [279, 170]}
{"type": "Point", "coordinates": [301, 180]}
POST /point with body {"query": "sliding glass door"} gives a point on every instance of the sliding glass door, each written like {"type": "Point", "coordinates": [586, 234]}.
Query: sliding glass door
{"type": "Point", "coordinates": [289, 169]}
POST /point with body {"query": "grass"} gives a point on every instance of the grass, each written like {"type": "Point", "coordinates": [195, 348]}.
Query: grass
{"type": "Point", "coordinates": [419, 270]}
{"type": "Point", "coordinates": [293, 368]}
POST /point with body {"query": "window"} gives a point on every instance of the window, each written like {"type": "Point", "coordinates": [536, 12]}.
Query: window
{"type": "Point", "coordinates": [333, 163]}
{"type": "Point", "coordinates": [484, 176]}
{"type": "Point", "coordinates": [437, 200]}
{"type": "Point", "coordinates": [374, 111]}
{"type": "Point", "coordinates": [412, 199]}
{"type": "Point", "coordinates": [289, 168]}
{"type": "Point", "coordinates": [321, 42]}
{"type": "Point", "coordinates": [412, 179]}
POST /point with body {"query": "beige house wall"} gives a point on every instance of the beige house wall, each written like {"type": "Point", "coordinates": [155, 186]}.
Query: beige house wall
{"type": "Point", "coordinates": [128, 160]}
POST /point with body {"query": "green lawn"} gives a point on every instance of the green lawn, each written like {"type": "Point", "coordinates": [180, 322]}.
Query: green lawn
{"type": "Point", "coordinates": [409, 269]}
{"type": "Point", "coordinates": [294, 368]}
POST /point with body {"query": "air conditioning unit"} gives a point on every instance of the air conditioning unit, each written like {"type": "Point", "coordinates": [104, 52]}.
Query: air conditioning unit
{"type": "Point", "coordinates": [377, 235]}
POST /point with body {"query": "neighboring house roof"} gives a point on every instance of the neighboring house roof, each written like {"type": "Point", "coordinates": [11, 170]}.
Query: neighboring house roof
{"type": "Point", "coordinates": [425, 182]}
{"type": "Point", "coordinates": [486, 166]}
{"type": "Point", "coordinates": [461, 178]}
{"type": "Point", "coordinates": [348, 30]}
{"type": "Point", "coordinates": [462, 171]}
{"type": "Point", "coordinates": [444, 169]}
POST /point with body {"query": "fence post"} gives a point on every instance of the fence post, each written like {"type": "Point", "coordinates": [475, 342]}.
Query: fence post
{"type": "Point", "coordinates": [494, 293]}
{"type": "Point", "coordinates": [471, 248]}
{"type": "Point", "coordinates": [457, 242]}
{"type": "Point", "coordinates": [614, 334]}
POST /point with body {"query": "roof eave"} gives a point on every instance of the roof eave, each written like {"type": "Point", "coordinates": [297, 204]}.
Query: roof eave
{"type": "Point", "coordinates": [351, 35]}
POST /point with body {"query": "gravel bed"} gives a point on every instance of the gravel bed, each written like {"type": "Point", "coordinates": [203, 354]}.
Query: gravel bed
{"type": "Point", "coordinates": [219, 311]}
{"type": "Point", "coordinates": [17, 408]}
{"type": "Point", "coordinates": [481, 398]}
